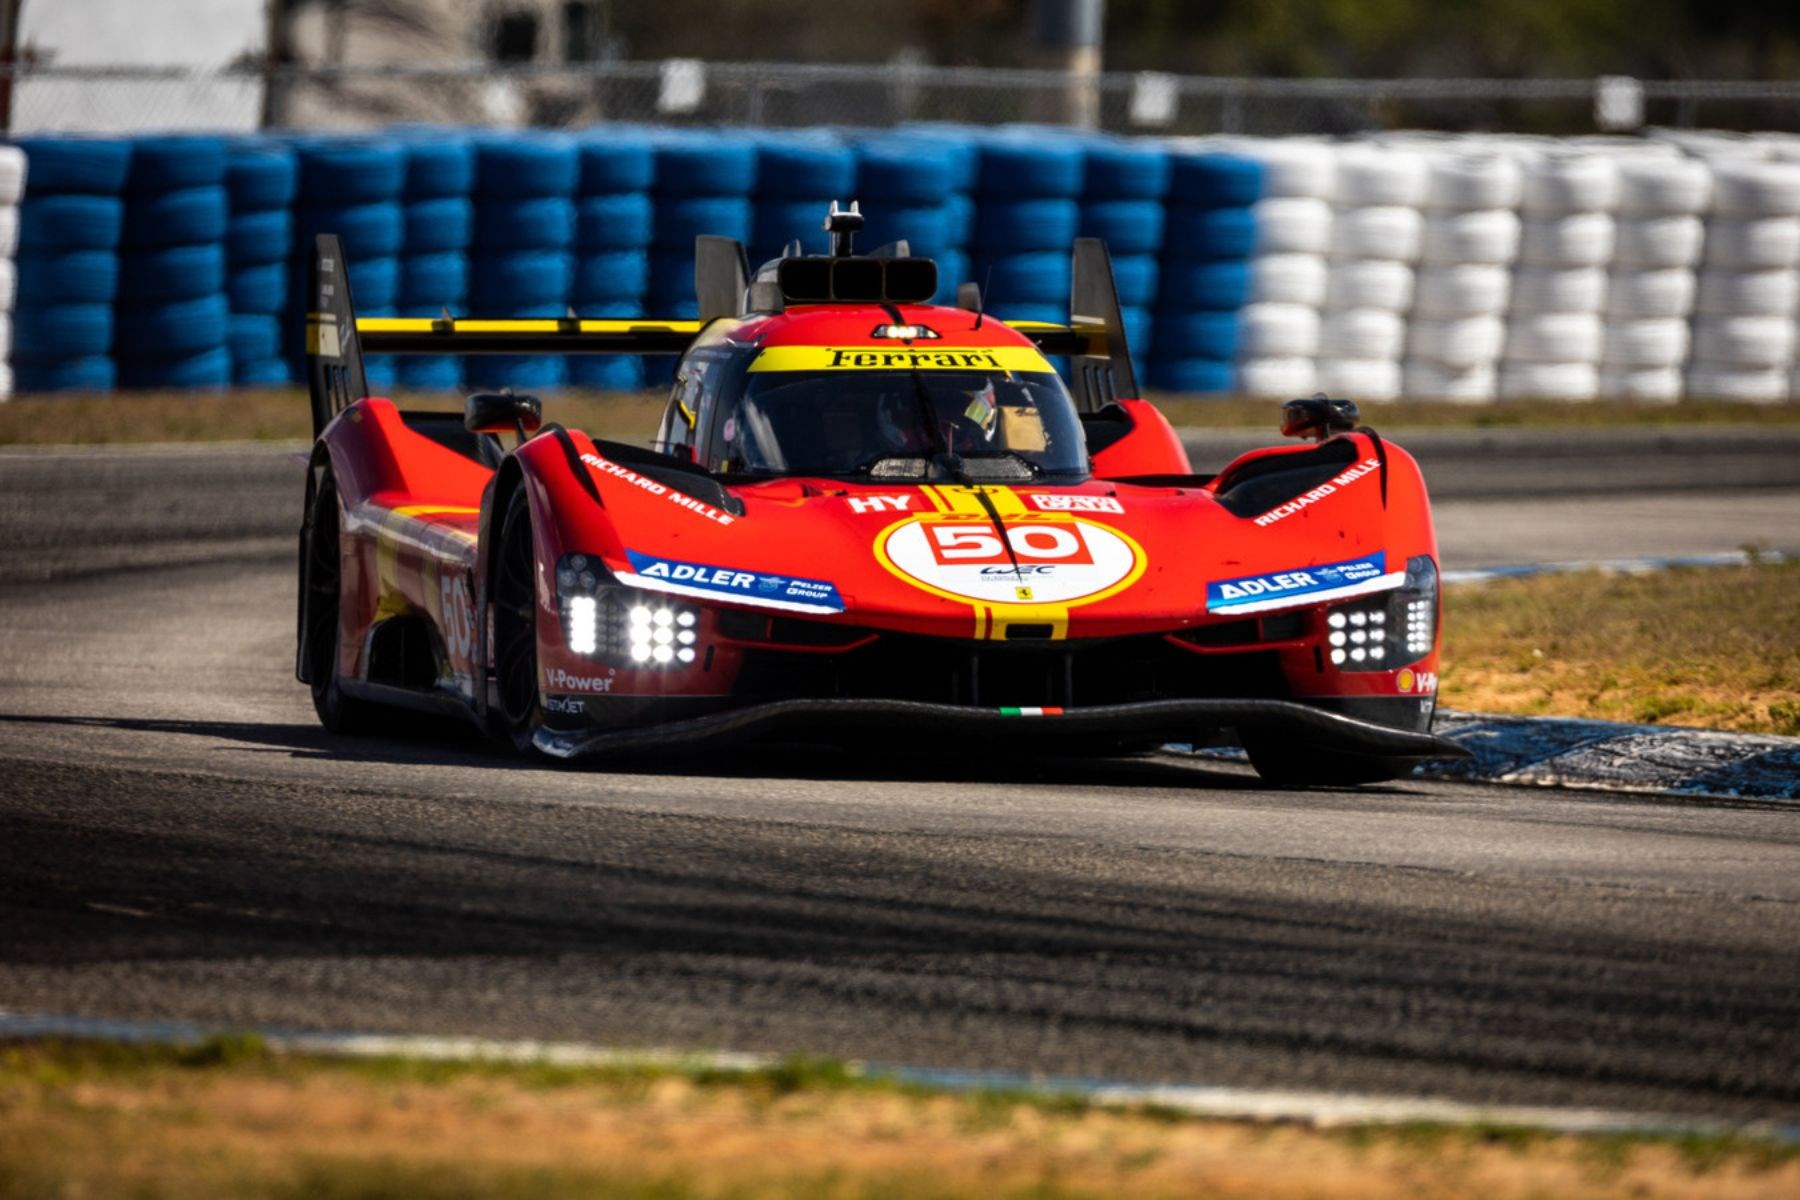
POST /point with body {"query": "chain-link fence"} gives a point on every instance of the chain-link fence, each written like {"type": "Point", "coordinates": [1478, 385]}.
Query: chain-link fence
{"type": "Point", "coordinates": [48, 98]}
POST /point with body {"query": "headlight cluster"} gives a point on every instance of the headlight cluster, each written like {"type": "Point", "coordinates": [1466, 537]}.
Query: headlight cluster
{"type": "Point", "coordinates": [621, 625]}
{"type": "Point", "coordinates": [1388, 631]}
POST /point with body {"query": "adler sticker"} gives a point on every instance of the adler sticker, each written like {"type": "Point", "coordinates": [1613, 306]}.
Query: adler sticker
{"type": "Point", "coordinates": [1042, 560]}
{"type": "Point", "coordinates": [1303, 585]}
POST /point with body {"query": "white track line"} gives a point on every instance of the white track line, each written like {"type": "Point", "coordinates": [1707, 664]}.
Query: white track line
{"type": "Point", "coordinates": [1319, 1109]}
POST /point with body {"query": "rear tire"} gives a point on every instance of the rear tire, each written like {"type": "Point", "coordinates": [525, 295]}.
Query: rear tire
{"type": "Point", "coordinates": [322, 587]}
{"type": "Point", "coordinates": [1282, 761]}
{"type": "Point", "coordinates": [515, 624]}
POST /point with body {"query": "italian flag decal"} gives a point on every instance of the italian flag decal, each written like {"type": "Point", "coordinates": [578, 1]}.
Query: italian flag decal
{"type": "Point", "coordinates": [1031, 712]}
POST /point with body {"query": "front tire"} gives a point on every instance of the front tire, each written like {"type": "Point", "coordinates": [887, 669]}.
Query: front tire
{"type": "Point", "coordinates": [322, 588]}
{"type": "Point", "coordinates": [515, 625]}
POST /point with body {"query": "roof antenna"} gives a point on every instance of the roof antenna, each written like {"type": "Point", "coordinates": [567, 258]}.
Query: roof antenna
{"type": "Point", "coordinates": [987, 281]}
{"type": "Point", "coordinates": [842, 227]}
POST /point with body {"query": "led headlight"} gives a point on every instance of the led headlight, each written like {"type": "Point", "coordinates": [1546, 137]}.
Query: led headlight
{"type": "Point", "coordinates": [605, 621]}
{"type": "Point", "coordinates": [1387, 631]}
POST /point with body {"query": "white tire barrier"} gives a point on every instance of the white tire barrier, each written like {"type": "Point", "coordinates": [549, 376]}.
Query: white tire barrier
{"type": "Point", "coordinates": [1765, 343]}
{"type": "Point", "coordinates": [1460, 343]}
{"type": "Point", "coordinates": [1292, 225]}
{"type": "Point", "coordinates": [1661, 187]}
{"type": "Point", "coordinates": [1559, 289]}
{"type": "Point", "coordinates": [1283, 378]}
{"type": "Point", "coordinates": [1573, 240]}
{"type": "Point", "coordinates": [1370, 177]}
{"type": "Point", "coordinates": [12, 176]}
{"type": "Point", "coordinates": [1553, 338]}
{"type": "Point", "coordinates": [1666, 292]}
{"type": "Point", "coordinates": [1424, 379]}
{"type": "Point", "coordinates": [1294, 168]}
{"type": "Point", "coordinates": [1754, 244]}
{"type": "Point", "coordinates": [1288, 279]}
{"type": "Point", "coordinates": [1659, 342]}
{"type": "Point", "coordinates": [1370, 283]}
{"type": "Point", "coordinates": [1470, 290]}
{"type": "Point", "coordinates": [1361, 334]}
{"type": "Point", "coordinates": [1575, 183]}
{"type": "Point", "coordinates": [1384, 232]}
{"type": "Point", "coordinates": [1484, 236]}
{"type": "Point", "coordinates": [1755, 189]}
{"type": "Point", "coordinates": [1464, 182]}
{"type": "Point", "coordinates": [9, 231]}
{"type": "Point", "coordinates": [1747, 385]}
{"type": "Point", "coordinates": [1549, 381]}
{"type": "Point", "coordinates": [1376, 380]}
{"type": "Point", "coordinates": [1649, 385]}
{"type": "Point", "coordinates": [9, 284]}
{"type": "Point", "coordinates": [1671, 241]}
{"type": "Point", "coordinates": [1748, 293]}
{"type": "Point", "coordinates": [1278, 331]}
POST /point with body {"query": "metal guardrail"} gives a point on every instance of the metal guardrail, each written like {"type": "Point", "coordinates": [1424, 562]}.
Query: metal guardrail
{"type": "Point", "coordinates": [94, 98]}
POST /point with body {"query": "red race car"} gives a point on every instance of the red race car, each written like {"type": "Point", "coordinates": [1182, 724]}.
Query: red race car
{"type": "Point", "coordinates": [864, 516]}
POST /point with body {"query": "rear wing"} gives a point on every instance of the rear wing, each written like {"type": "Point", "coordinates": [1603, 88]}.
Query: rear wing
{"type": "Point", "coordinates": [337, 339]}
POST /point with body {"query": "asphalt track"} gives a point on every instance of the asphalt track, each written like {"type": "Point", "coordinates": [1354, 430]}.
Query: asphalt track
{"type": "Point", "coordinates": [179, 839]}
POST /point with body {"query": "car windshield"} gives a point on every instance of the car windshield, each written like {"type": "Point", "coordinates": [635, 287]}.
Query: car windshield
{"type": "Point", "coordinates": [901, 424]}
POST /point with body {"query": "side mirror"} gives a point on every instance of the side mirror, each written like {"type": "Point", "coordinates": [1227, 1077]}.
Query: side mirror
{"type": "Point", "coordinates": [503, 412]}
{"type": "Point", "coordinates": [1318, 417]}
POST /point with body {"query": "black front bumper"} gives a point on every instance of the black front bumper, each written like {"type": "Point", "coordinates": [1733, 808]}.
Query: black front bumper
{"type": "Point", "coordinates": [1166, 720]}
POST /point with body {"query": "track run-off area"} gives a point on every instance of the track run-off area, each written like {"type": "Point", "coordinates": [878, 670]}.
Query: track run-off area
{"type": "Point", "coordinates": [180, 840]}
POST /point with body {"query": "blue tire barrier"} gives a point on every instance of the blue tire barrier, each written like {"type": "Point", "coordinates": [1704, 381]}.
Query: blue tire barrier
{"type": "Point", "coordinates": [955, 144]}
{"type": "Point", "coordinates": [1197, 374]}
{"type": "Point", "coordinates": [441, 223]}
{"type": "Point", "coordinates": [429, 373]}
{"type": "Point", "coordinates": [1126, 226]}
{"type": "Point", "coordinates": [438, 165]}
{"type": "Point", "coordinates": [381, 373]}
{"type": "Point", "coordinates": [1034, 167]}
{"type": "Point", "coordinates": [680, 219]}
{"type": "Point", "coordinates": [1210, 232]}
{"type": "Point", "coordinates": [701, 164]}
{"type": "Point", "coordinates": [172, 273]}
{"type": "Point", "coordinates": [924, 228]}
{"type": "Point", "coordinates": [175, 163]}
{"type": "Point", "coordinates": [177, 328]}
{"type": "Point", "coordinates": [253, 337]}
{"type": "Point", "coordinates": [959, 218]}
{"type": "Point", "coordinates": [679, 305]}
{"type": "Point", "coordinates": [1139, 323]}
{"type": "Point", "coordinates": [899, 172]}
{"type": "Point", "coordinates": [261, 175]}
{"type": "Point", "coordinates": [1215, 180]}
{"type": "Point", "coordinates": [544, 223]}
{"type": "Point", "coordinates": [367, 230]}
{"type": "Point", "coordinates": [524, 165]}
{"type": "Point", "coordinates": [1038, 277]}
{"type": "Point", "coordinates": [659, 372]}
{"type": "Point", "coordinates": [614, 162]}
{"type": "Point", "coordinates": [613, 222]}
{"type": "Point", "coordinates": [954, 268]}
{"type": "Point", "coordinates": [778, 222]}
{"type": "Point", "coordinates": [435, 280]}
{"type": "Point", "coordinates": [800, 166]}
{"type": "Point", "coordinates": [349, 172]}
{"type": "Point", "coordinates": [80, 165]}
{"type": "Point", "coordinates": [1120, 170]}
{"type": "Point", "coordinates": [74, 277]}
{"type": "Point", "coordinates": [374, 284]}
{"type": "Point", "coordinates": [260, 237]}
{"type": "Point", "coordinates": [1012, 226]}
{"type": "Point", "coordinates": [1203, 283]}
{"type": "Point", "coordinates": [259, 288]}
{"type": "Point", "coordinates": [181, 218]}
{"type": "Point", "coordinates": [508, 371]}
{"type": "Point", "coordinates": [70, 222]}
{"type": "Point", "coordinates": [93, 373]}
{"type": "Point", "coordinates": [671, 275]}
{"type": "Point", "coordinates": [621, 276]}
{"type": "Point", "coordinates": [52, 331]}
{"type": "Point", "coordinates": [606, 372]}
{"type": "Point", "coordinates": [533, 282]}
{"type": "Point", "coordinates": [270, 372]}
{"type": "Point", "coordinates": [1197, 333]}
{"type": "Point", "coordinates": [1136, 277]}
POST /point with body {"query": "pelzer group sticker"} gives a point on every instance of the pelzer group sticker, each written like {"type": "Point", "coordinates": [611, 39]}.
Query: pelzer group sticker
{"type": "Point", "coordinates": [1040, 559]}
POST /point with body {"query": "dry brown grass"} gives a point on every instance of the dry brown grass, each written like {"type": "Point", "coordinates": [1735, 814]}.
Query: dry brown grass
{"type": "Point", "coordinates": [1714, 647]}
{"type": "Point", "coordinates": [139, 417]}
{"type": "Point", "coordinates": [71, 1125]}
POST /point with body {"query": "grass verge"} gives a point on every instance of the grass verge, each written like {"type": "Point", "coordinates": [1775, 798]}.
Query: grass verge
{"type": "Point", "coordinates": [142, 417]}
{"type": "Point", "coordinates": [1717, 647]}
{"type": "Point", "coordinates": [230, 1118]}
